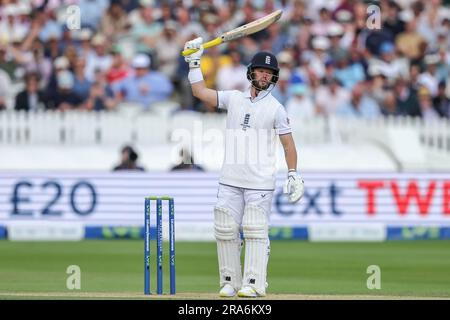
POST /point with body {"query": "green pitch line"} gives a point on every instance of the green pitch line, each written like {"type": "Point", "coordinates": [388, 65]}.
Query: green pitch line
{"type": "Point", "coordinates": [409, 269]}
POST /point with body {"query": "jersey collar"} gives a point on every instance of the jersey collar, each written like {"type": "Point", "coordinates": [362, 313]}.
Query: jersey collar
{"type": "Point", "coordinates": [262, 94]}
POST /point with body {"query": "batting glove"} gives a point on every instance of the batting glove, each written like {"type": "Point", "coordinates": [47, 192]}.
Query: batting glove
{"type": "Point", "coordinates": [294, 187]}
{"type": "Point", "coordinates": [194, 58]}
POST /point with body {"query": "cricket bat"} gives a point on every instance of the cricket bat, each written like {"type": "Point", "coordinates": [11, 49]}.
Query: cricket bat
{"type": "Point", "coordinates": [240, 32]}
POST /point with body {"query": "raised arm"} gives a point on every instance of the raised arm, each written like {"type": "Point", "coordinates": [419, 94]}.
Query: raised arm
{"type": "Point", "coordinates": [199, 89]}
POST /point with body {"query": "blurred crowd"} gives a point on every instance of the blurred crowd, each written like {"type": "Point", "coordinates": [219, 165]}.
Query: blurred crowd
{"type": "Point", "coordinates": [335, 57]}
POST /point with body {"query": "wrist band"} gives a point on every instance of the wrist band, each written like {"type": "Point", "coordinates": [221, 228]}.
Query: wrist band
{"type": "Point", "coordinates": [195, 75]}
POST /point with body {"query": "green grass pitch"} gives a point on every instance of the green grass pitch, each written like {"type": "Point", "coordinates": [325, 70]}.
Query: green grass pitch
{"type": "Point", "coordinates": [408, 269]}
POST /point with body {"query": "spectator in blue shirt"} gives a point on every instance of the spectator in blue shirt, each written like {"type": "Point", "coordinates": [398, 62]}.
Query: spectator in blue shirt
{"type": "Point", "coordinates": [144, 86]}
{"type": "Point", "coordinates": [346, 72]}
{"type": "Point", "coordinates": [360, 105]}
{"type": "Point", "coordinates": [91, 12]}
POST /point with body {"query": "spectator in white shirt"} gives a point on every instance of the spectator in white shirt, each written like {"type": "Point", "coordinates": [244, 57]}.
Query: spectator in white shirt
{"type": "Point", "coordinates": [330, 96]}
{"type": "Point", "coordinates": [319, 56]}
{"type": "Point", "coordinates": [99, 59]}
{"type": "Point", "coordinates": [300, 104]}
{"type": "Point", "coordinates": [389, 64]}
{"type": "Point", "coordinates": [168, 50]}
{"type": "Point", "coordinates": [429, 78]}
{"type": "Point", "coordinates": [233, 76]}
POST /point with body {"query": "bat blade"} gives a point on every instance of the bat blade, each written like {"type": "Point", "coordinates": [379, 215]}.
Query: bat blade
{"type": "Point", "coordinates": [240, 32]}
{"type": "Point", "coordinates": [252, 27]}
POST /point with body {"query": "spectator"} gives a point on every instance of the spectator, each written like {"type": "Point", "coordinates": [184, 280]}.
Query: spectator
{"type": "Point", "coordinates": [388, 64]}
{"type": "Point", "coordinates": [348, 74]}
{"type": "Point", "coordinates": [183, 87]}
{"type": "Point", "coordinates": [128, 160]}
{"type": "Point", "coordinates": [443, 43]}
{"type": "Point", "coordinates": [286, 64]}
{"type": "Point", "coordinates": [441, 102]}
{"type": "Point", "coordinates": [428, 21]}
{"type": "Point", "coordinates": [319, 56]}
{"type": "Point", "coordinates": [99, 59]}
{"type": "Point", "coordinates": [406, 99]}
{"type": "Point", "coordinates": [389, 105]}
{"type": "Point", "coordinates": [299, 27]}
{"type": "Point", "coordinates": [360, 105]}
{"type": "Point", "coordinates": [335, 34]}
{"type": "Point", "coordinates": [410, 43]}
{"type": "Point", "coordinates": [187, 27]}
{"type": "Point", "coordinates": [429, 78]}
{"type": "Point", "coordinates": [119, 68]}
{"type": "Point", "coordinates": [300, 104]}
{"type": "Point", "coordinates": [344, 18]}
{"type": "Point", "coordinates": [51, 29]}
{"type": "Point", "coordinates": [186, 162]}
{"type": "Point", "coordinates": [5, 85]}
{"type": "Point", "coordinates": [167, 50]}
{"type": "Point", "coordinates": [234, 75]}
{"type": "Point", "coordinates": [100, 98]}
{"type": "Point", "coordinates": [426, 105]}
{"type": "Point", "coordinates": [323, 23]}
{"type": "Point", "coordinates": [7, 64]}
{"type": "Point", "coordinates": [38, 63]}
{"type": "Point", "coordinates": [166, 12]}
{"type": "Point", "coordinates": [277, 39]}
{"type": "Point", "coordinates": [281, 91]}
{"type": "Point", "coordinates": [114, 22]}
{"type": "Point", "coordinates": [212, 61]}
{"type": "Point", "coordinates": [414, 73]}
{"type": "Point", "coordinates": [378, 83]}
{"type": "Point", "coordinates": [82, 85]}
{"type": "Point", "coordinates": [11, 24]}
{"type": "Point", "coordinates": [443, 66]}
{"type": "Point", "coordinates": [344, 7]}
{"type": "Point", "coordinates": [66, 41]}
{"type": "Point", "coordinates": [330, 96]}
{"type": "Point", "coordinates": [72, 55]}
{"type": "Point", "coordinates": [31, 99]}
{"type": "Point", "coordinates": [64, 98]}
{"type": "Point", "coordinates": [84, 47]}
{"type": "Point", "coordinates": [392, 21]}
{"type": "Point", "coordinates": [60, 64]}
{"type": "Point", "coordinates": [129, 5]}
{"type": "Point", "coordinates": [92, 11]}
{"type": "Point", "coordinates": [145, 30]}
{"type": "Point", "coordinates": [144, 86]}
{"type": "Point", "coordinates": [52, 48]}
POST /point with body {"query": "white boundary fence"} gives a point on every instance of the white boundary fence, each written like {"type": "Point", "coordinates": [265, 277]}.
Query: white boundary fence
{"type": "Point", "coordinates": [156, 127]}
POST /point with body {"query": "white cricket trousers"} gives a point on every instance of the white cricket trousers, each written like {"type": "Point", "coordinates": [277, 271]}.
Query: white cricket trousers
{"type": "Point", "coordinates": [235, 199]}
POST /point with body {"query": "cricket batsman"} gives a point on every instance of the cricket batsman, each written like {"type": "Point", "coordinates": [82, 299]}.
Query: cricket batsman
{"type": "Point", "coordinates": [247, 184]}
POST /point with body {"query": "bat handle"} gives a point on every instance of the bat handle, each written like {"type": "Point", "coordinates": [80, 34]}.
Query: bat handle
{"type": "Point", "coordinates": [206, 45]}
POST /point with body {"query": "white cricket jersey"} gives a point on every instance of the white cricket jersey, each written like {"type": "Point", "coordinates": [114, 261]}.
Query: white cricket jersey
{"type": "Point", "coordinates": [251, 137]}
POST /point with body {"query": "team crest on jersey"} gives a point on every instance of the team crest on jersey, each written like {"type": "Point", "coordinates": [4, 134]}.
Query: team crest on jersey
{"type": "Point", "coordinates": [267, 59]}
{"type": "Point", "coordinates": [245, 125]}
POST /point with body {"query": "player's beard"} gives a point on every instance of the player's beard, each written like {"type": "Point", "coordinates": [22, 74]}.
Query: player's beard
{"type": "Point", "coordinates": [261, 84]}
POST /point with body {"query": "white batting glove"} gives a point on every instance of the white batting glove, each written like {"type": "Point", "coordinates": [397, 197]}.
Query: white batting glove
{"type": "Point", "coordinates": [194, 58]}
{"type": "Point", "coordinates": [294, 187]}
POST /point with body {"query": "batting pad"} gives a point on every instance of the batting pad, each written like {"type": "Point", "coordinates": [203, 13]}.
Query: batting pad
{"type": "Point", "coordinates": [257, 248]}
{"type": "Point", "coordinates": [228, 248]}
